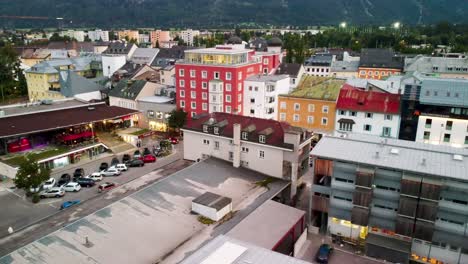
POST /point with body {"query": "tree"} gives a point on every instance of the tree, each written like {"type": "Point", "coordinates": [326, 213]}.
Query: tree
{"type": "Point", "coordinates": [177, 119]}
{"type": "Point", "coordinates": [30, 174]}
{"type": "Point", "coordinates": [87, 39]}
{"type": "Point", "coordinates": [12, 80]}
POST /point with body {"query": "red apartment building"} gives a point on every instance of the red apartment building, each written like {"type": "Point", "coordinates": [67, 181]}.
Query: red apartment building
{"type": "Point", "coordinates": [211, 80]}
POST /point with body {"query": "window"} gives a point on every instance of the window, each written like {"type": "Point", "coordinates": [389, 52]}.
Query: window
{"type": "Point", "coordinates": [182, 93]}
{"type": "Point", "coordinates": [341, 112]}
{"type": "Point", "coordinates": [252, 111]}
{"type": "Point", "coordinates": [245, 135]}
{"type": "Point", "coordinates": [204, 95]}
{"type": "Point", "coordinates": [205, 128]}
{"type": "Point", "coordinates": [310, 119]}
{"type": "Point", "coordinates": [240, 76]}
{"type": "Point", "coordinates": [216, 130]}
{"type": "Point", "coordinates": [206, 142]}
{"type": "Point", "coordinates": [150, 113]}
{"type": "Point", "coordinates": [311, 107]}
{"type": "Point", "coordinates": [252, 100]}
{"type": "Point", "coordinates": [262, 138]}
{"type": "Point", "coordinates": [204, 74]}
{"type": "Point", "coordinates": [362, 72]}
{"type": "Point", "coordinates": [325, 109]}
{"type": "Point", "coordinates": [216, 145]}
{"type": "Point", "coordinates": [282, 116]}
{"type": "Point", "coordinates": [204, 85]}
{"type": "Point", "coordinates": [181, 72]}
{"type": "Point", "coordinates": [265, 61]}
{"type": "Point", "coordinates": [346, 126]}
{"type": "Point", "coordinates": [448, 125]}
{"type": "Point", "coordinates": [324, 121]}
{"type": "Point", "coordinates": [228, 76]}
{"type": "Point", "coordinates": [261, 154]}
{"type": "Point", "coordinates": [367, 128]}
{"type": "Point", "coordinates": [427, 135]}
{"type": "Point", "coordinates": [193, 94]}
{"type": "Point", "coordinates": [216, 75]}
{"type": "Point", "coordinates": [204, 106]}
{"type": "Point", "coordinates": [250, 88]}
{"type": "Point", "coordinates": [192, 73]}
{"type": "Point", "coordinates": [352, 113]}
{"type": "Point", "coordinates": [231, 155]}
{"type": "Point", "coordinates": [296, 118]}
{"type": "Point", "coordinates": [194, 105]}
{"type": "Point", "coordinates": [239, 87]}
{"type": "Point", "coordinates": [182, 104]}
{"type": "Point", "coordinates": [283, 105]}
{"type": "Point", "coordinates": [239, 97]}
{"type": "Point", "coordinates": [228, 98]}
{"type": "Point", "coordinates": [297, 107]}
{"type": "Point", "coordinates": [244, 163]}
{"type": "Point", "coordinates": [228, 109]}
{"type": "Point", "coordinates": [181, 83]}
{"type": "Point", "coordinates": [245, 149]}
{"type": "Point", "coordinates": [466, 140]}
{"type": "Point", "coordinates": [193, 84]}
{"type": "Point", "coordinates": [228, 87]}
{"type": "Point", "coordinates": [386, 131]}
{"type": "Point", "coordinates": [435, 93]}
{"type": "Point", "coordinates": [368, 115]}
{"type": "Point", "coordinates": [446, 137]}
{"type": "Point", "coordinates": [256, 88]}
{"type": "Point", "coordinates": [388, 117]}
{"type": "Point", "coordinates": [428, 123]}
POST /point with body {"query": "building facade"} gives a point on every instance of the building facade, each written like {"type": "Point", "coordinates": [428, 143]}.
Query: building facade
{"type": "Point", "coordinates": [379, 64]}
{"type": "Point", "coordinates": [270, 147]}
{"type": "Point", "coordinates": [392, 198]}
{"type": "Point", "coordinates": [319, 65]}
{"type": "Point", "coordinates": [261, 95]}
{"type": "Point", "coordinates": [442, 67]}
{"type": "Point", "coordinates": [295, 72]}
{"type": "Point", "coordinates": [155, 111]}
{"type": "Point", "coordinates": [98, 35]}
{"type": "Point", "coordinates": [128, 35]}
{"type": "Point", "coordinates": [188, 35]}
{"type": "Point", "coordinates": [158, 36]}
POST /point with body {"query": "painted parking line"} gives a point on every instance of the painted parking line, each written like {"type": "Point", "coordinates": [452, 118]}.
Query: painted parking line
{"type": "Point", "coordinates": [14, 193]}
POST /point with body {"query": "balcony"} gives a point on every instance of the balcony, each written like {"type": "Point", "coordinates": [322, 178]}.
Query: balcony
{"type": "Point", "coordinates": [321, 189]}
{"type": "Point", "coordinates": [386, 194]}
{"type": "Point", "coordinates": [320, 203]}
{"type": "Point", "coordinates": [344, 186]}
{"type": "Point", "coordinates": [383, 213]}
{"type": "Point", "coordinates": [453, 207]}
{"type": "Point", "coordinates": [54, 89]}
{"type": "Point", "coordinates": [449, 227]}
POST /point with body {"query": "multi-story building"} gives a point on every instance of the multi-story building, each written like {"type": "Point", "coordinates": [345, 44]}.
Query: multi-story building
{"type": "Point", "coordinates": [98, 35]}
{"type": "Point", "coordinates": [158, 36]}
{"type": "Point", "coordinates": [398, 200]}
{"type": "Point", "coordinates": [168, 44]}
{"type": "Point", "coordinates": [128, 35]}
{"type": "Point", "coordinates": [155, 111]}
{"type": "Point", "coordinates": [270, 147]}
{"type": "Point", "coordinates": [319, 65]}
{"type": "Point", "coordinates": [442, 67]}
{"type": "Point", "coordinates": [261, 95]}
{"type": "Point", "coordinates": [144, 38]}
{"type": "Point", "coordinates": [127, 92]}
{"type": "Point", "coordinates": [344, 69]}
{"type": "Point", "coordinates": [79, 35]}
{"type": "Point", "coordinates": [143, 56]}
{"type": "Point", "coordinates": [294, 70]}
{"type": "Point", "coordinates": [211, 80]}
{"type": "Point", "coordinates": [367, 112]}
{"type": "Point", "coordinates": [312, 104]}
{"type": "Point", "coordinates": [116, 55]}
{"type": "Point", "coordinates": [379, 63]}
{"type": "Point", "coordinates": [188, 35]}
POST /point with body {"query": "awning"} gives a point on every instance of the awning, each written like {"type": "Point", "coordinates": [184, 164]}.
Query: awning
{"type": "Point", "coordinates": [346, 121]}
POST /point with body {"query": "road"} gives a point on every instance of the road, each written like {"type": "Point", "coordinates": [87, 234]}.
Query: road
{"type": "Point", "coordinates": [19, 212]}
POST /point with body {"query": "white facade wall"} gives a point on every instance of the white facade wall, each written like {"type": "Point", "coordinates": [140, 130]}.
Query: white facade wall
{"type": "Point", "coordinates": [196, 149]}
{"type": "Point", "coordinates": [188, 35]}
{"type": "Point", "coordinates": [98, 35]}
{"type": "Point", "coordinates": [318, 70]}
{"type": "Point", "coordinates": [377, 123]}
{"type": "Point", "coordinates": [294, 82]}
{"type": "Point", "coordinates": [121, 102]}
{"type": "Point", "coordinates": [444, 254]}
{"type": "Point", "coordinates": [78, 35]}
{"type": "Point", "coordinates": [167, 77]}
{"type": "Point", "coordinates": [437, 130]}
{"type": "Point", "coordinates": [258, 92]}
{"type": "Point", "coordinates": [111, 63]}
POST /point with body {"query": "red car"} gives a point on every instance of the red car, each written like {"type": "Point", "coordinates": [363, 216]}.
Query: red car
{"type": "Point", "coordinates": [148, 158]}
{"type": "Point", "coordinates": [106, 186]}
{"type": "Point", "coordinates": [173, 140]}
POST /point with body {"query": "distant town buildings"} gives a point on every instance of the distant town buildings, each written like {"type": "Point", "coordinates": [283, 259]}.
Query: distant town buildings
{"type": "Point", "coordinates": [158, 36]}
{"type": "Point", "coordinates": [98, 35]}
{"type": "Point", "coordinates": [188, 35]}
{"type": "Point", "coordinates": [128, 35]}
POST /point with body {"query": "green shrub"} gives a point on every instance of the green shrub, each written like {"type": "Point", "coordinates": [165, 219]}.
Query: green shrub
{"type": "Point", "coordinates": [205, 221]}
{"type": "Point", "coordinates": [36, 198]}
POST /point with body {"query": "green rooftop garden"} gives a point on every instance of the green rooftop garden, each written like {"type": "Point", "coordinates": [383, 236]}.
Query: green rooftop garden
{"type": "Point", "coordinates": [37, 155]}
{"type": "Point", "coordinates": [315, 87]}
{"type": "Point", "coordinates": [140, 132]}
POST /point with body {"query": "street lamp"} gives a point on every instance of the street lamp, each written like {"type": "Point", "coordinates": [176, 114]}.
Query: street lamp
{"type": "Point", "coordinates": [343, 25]}
{"type": "Point", "coordinates": [396, 25]}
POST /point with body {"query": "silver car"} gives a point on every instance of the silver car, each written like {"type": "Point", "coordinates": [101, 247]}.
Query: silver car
{"type": "Point", "coordinates": [56, 192]}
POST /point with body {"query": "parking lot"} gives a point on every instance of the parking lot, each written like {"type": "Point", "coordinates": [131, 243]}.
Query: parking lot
{"type": "Point", "coordinates": [19, 212]}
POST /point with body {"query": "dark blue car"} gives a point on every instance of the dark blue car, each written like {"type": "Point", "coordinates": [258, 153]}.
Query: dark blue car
{"type": "Point", "coordinates": [323, 253]}
{"type": "Point", "coordinates": [67, 204]}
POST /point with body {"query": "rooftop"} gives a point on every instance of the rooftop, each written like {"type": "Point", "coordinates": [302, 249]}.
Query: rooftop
{"type": "Point", "coordinates": [315, 87]}
{"type": "Point", "coordinates": [319, 60]}
{"type": "Point", "coordinates": [427, 64]}
{"type": "Point", "coordinates": [128, 89]}
{"type": "Point", "coordinates": [227, 250]}
{"type": "Point", "coordinates": [257, 228]}
{"type": "Point", "coordinates": [221, 49]}
{"type": "Point", "coordinates": [344, 66]}
{"type": "Point", "coordinates": [445, 92]}
{"type": "Point", "coordinates": [266, 78]}
{"type": "Point", "coordinates": [380, 58]}
{"type": "Point", "coordinates": [351, 98]}
{"type": "Point", "coordinates": [46, 105]}
{"type": "Point", "coordinates": [156, 99]}
{"type": "Point", "coordinates": [415, 157]}
{"type": "Point", "coordinates": [291, 69]}
{"type": "Point", "coordinates": [52, 66]}
{"type": "Point", "coordinates": [56, 118]}
{"type": "Point", "coordinates": [212, 200]}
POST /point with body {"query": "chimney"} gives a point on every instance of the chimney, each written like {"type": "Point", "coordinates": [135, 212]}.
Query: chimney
{"type": "Point", "coordinates": [236, 142]}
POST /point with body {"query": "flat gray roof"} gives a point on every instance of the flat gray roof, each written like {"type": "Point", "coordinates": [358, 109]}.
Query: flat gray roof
{"type": "Point", "coordinates": [212, 200]}
{"type": "Point", "coordinates": [359, 148]}
{"type": "Point", "coordinates": [246, 253]}
{"type": "Point", "coordinates": [266, 78]}
{"type": "Point", "coordinates": [152, 224]}
{"type": "Point", "coordinates": [267, 225]}
{"type": "Point", "coordinates": [19, 109]}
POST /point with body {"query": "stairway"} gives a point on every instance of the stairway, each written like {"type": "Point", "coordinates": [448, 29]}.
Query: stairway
{"type": "Point", "coordinates": [115, 145]}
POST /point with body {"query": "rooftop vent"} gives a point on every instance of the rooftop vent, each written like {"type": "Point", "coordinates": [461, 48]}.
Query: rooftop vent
{"type": "Point", "coordinates": [394, 151]}
{"type": "Point", "coordinates": [457, 157]}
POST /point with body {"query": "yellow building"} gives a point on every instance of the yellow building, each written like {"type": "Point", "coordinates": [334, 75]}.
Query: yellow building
{"type": "Point", "coordinates": [312, 104]}
{"type": "Point", "coordinates": [130, 34]}
{"type": "Point", "coordinates": [31, 57]}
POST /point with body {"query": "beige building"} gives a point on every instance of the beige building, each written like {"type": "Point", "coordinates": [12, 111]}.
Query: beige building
{"type": "Point", "coordinates": [128, 34]}
{"type": "Point", "coordinates": [158, 36]}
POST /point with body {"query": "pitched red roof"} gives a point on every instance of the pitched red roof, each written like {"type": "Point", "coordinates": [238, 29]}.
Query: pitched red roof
{"type": "Point", "coordinates": [274, 130]}
{"type": "Point", "coordinates": [60, 118]}
{"type": "Point", "coordinates": [352, 98]}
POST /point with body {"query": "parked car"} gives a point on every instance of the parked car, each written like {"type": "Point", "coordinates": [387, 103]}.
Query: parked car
{"type": "Point", "coordinates": [48, 184]}
{"type": "Point", "coordinates": [53, 192]}
{"type": "Point", "coordinates": [149, 158]}
{"type": "Point", "coordinates": [126, 158]}
{"type": "Point", "coordinates": [64, 179]}
{"type": "Point", "coordinates": [115, 161]}
{"type": "Point", "coordinates": [95, 176]}
{"type": "Point", "coordinates": [85, 182]}
{"type": "Point", "coordinates": [38, 188]}
{"type": "Point", "coordinates": [106, 186]}
{"type": "Point", "coordinates": [112, 171]}
{"type": "Point", "coordinates": [323, 253]}
{"type": "Point", "coordinates": [67, 204]}
{"type": "Point", "coordinates": [173, 140]}
{"type": "Point", "coordinates": [121, 167]}
{"type": "Point", "coordinates": [136, 163]}
{"type": "Point", "coordinates": [72, 187]}
{"type": "Point", "coordinates": [103, 166]}
{"type": "Point", "coordinates": [136, 154]}
{"type": "Point", "coordinates": [146, 151]}
{"type": "Point", "coordinates": [78, 173]}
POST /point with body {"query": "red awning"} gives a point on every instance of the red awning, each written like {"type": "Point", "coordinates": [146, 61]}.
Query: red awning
{"type": "Point", "coordinates": [77, 136]}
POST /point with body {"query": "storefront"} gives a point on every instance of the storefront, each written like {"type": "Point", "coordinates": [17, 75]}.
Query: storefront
{"type": "Point", "coordinates": [346, 229]}
{"type": "Point", "coordinates": [74, 156]}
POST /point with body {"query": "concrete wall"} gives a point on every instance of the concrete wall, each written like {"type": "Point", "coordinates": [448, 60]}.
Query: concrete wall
{"type": "Point", "coordinates": [438, 129]}
{"type": "Point", "coordinates": [110, 64]}
{"type": "Point", "coordinates": [377, 123]}
{"type": "Point", "coordinates": [7, 170]}
{"type": "Point", "coordinates": [443, 254]}
{"type": "Point", "coordinates": [300, 243]}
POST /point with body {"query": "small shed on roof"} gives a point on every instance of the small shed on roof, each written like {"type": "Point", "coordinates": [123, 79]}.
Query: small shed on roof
{"type": "Point", "coordinates": [212, 206]}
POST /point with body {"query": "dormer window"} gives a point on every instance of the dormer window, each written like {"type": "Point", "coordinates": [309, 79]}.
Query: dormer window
{"type": "Point", "coordinates": [245, 135]}
{"type": "Point", "coordinates": [205, 128]}
{"type": "Point", "coordinates": [216, 130]}
{"type": "Point", "coordinates": [262, 138]}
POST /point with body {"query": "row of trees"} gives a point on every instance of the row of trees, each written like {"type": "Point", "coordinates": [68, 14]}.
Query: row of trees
{"type": "Point", "coordinates": [12, 80]}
